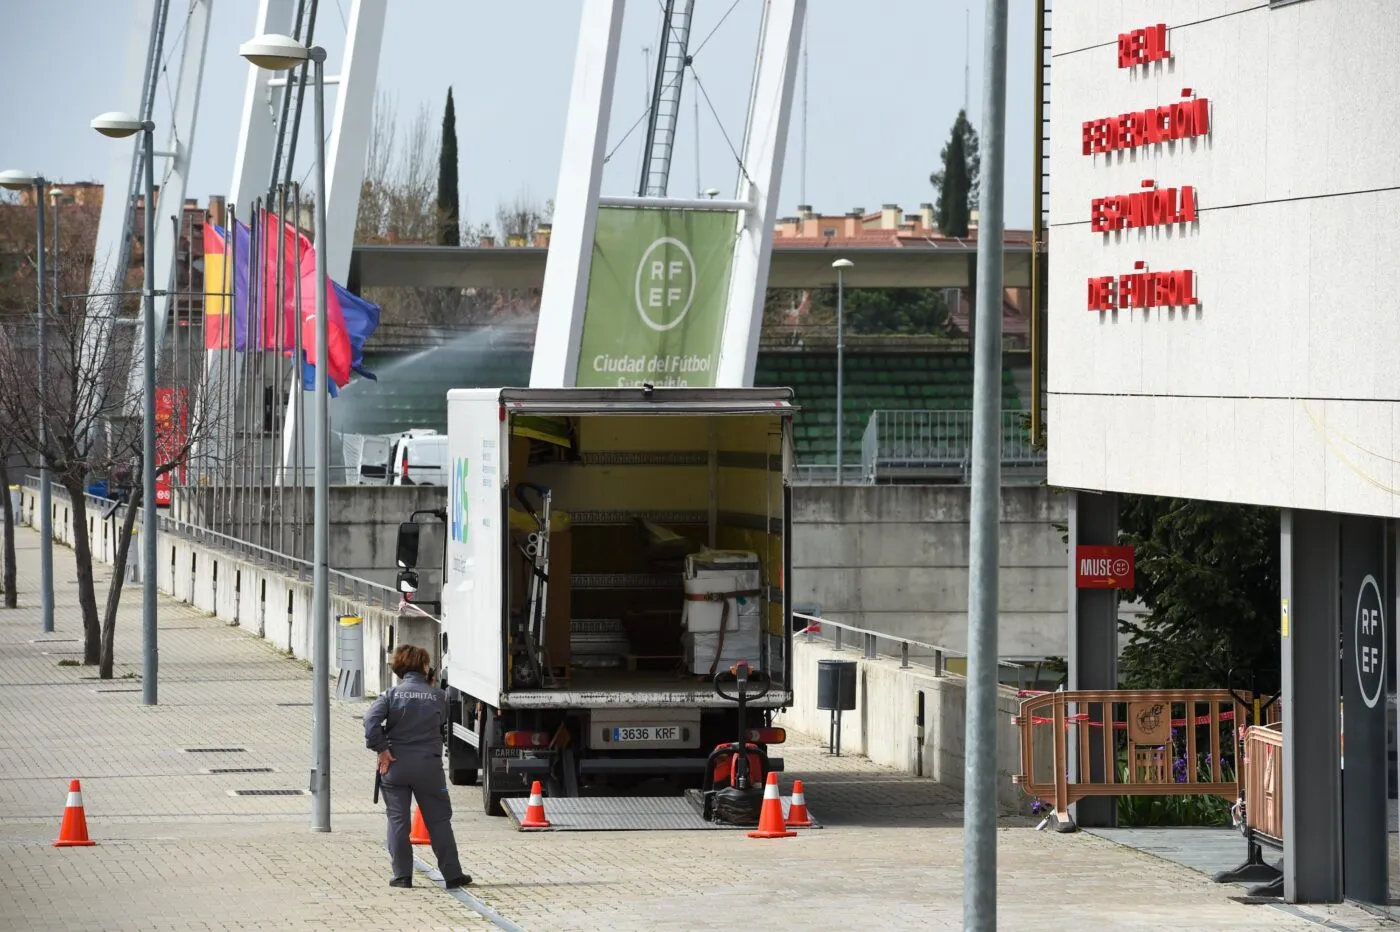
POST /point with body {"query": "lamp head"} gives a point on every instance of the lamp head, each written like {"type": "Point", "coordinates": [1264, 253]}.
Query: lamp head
{"type": "Point", "coordinates": [16, 180]}
{"type": "Point", "coordinates": [274, 52]}
{"type": "Point", "coordinates": [842, 264]}
{"type": "Point", "coordinates": [117, 124]}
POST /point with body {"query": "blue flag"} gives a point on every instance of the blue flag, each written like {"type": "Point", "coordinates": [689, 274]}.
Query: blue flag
{"type": "Point", "coordinates": [361, 320]}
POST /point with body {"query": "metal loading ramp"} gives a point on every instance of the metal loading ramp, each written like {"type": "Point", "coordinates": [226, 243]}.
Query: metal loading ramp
{"type": "Point", "coordinates": [628, 814]}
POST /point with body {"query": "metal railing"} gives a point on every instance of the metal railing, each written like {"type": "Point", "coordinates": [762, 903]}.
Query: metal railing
{"type": "Point", "coordinates": [911, 652]}
{"type": "Point", "coordinates": [923, 439]}
{"type": "Point", "coordinates": [825, 474]}
{"type": "Point", "coordinates": [343, 584]}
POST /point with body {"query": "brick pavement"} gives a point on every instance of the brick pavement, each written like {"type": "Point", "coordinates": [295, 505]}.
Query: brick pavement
{"type": "Point", "coordinates": [176, 851]}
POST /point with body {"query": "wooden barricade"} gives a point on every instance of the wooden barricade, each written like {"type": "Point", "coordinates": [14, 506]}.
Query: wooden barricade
{"type": "Point", "coordinates": [1263, 783]}
{"type": "Point", "coordinates": [1259, 814]}
{"type": "Point", "coordinates": [1146, 742]}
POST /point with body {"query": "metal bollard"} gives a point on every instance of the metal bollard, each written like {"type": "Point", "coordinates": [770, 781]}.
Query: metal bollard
{"type": "Point", "coordinates": [350, 657]}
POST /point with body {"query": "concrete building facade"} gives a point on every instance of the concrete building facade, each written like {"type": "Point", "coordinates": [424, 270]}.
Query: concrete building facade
{"type": "Point", "coordinates": [1221, 327]}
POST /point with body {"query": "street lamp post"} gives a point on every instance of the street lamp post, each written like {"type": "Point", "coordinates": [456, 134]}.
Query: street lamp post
{"type": "Point", "coordinates": [283, 53]}
{"type": "Point", "coordinates": [841, 265]}
{"type": "Point", "coordinates": [119, 125]}
{"type": "Point", "coordinates": [18, 181]}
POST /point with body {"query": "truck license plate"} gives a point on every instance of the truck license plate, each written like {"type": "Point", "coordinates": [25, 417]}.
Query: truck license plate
{"type": "Point", "coordinates": [644, 733]}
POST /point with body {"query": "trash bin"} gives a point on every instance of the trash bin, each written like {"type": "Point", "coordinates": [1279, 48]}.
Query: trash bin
{"type": "Point", "coordinates": [836, 693]}
{"type": "Point", "coordinates": [350, 657]}
{"type": "Point", "coordinates": [836, 685]}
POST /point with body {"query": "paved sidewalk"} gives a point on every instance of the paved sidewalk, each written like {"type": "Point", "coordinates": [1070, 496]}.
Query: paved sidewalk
{"type": "Point", "coordinates": [177, 851]}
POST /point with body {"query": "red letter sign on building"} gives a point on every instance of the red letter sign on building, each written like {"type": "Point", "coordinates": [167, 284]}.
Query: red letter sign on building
{"type": "Point", "coordinates": [1143, 46]}
{"type": "Point", "coordinates": [1104, 567]}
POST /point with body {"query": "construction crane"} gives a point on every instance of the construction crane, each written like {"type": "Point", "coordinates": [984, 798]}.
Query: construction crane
{"type": "Point", "coordinates": [673, 57]}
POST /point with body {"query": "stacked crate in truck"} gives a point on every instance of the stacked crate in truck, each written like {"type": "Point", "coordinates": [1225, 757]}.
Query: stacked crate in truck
{"type": "Point", "coordinates": [723, 622]}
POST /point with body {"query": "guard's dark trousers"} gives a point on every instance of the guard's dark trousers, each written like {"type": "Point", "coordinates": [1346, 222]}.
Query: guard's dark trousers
{"type": "Point", "coordinates": [417, 775]}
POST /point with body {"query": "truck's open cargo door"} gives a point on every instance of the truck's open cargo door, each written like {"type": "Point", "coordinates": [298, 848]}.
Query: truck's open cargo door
{"type": "Point", "coordinates": [476, 529]}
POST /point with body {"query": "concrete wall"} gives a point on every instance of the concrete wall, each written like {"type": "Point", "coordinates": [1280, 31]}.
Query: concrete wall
{"type": "Point", "coordinates": [1280, 388]}
{"type": "Point", "coordinates": [277, 606]}
{"type": "Point", "coordinates": [884, 725]}
{"type": "Point", "coordinates": [893, 559]}
{"type": "Point", "coordinates": [261, 599]}
{"type": "Point", "coordinates": [364, 522]}
{"type": "Point", "coordinates": [889, 558]}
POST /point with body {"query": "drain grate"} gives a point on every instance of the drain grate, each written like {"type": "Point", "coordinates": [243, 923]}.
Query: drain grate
{"type": "Point", "coordinates": [295, 705]}
{"type": "Point", "coordinates": [268, 793]}
{"type": "Point", "coordinates": [239, 770]}
{"type": "Point", "coordinates": [54, 640]}
{"type": "Point", "coordinates": [215, 750]}
{"type": "Point", "coordinates": [123, 689]}
{"type": "Point", "coordinates": [62, 653]}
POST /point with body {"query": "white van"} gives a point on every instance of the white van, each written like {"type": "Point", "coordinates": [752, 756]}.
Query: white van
{"type": "Point", "coordinates": [419, 458]}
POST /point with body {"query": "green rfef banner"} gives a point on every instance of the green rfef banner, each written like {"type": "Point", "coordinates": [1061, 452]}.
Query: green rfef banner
{"type": "Point", "coordinates": [656, 297]}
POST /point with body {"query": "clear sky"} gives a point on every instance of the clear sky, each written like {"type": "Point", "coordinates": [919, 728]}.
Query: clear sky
{"type": "Point", "coordinates": [884, 81]}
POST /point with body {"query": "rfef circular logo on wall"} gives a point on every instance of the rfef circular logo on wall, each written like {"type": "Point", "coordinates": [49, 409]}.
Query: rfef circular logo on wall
{"type": "Point", "coordinates": [665, 287]}
{"type": "Point", "coordinates": [1370, 642]}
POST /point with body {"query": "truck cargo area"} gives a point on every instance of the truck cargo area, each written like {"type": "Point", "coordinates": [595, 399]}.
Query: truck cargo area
{"type": "Point", "coordinates": [646, 510]}
{"type": "Point", "coordinates": [611, 556]}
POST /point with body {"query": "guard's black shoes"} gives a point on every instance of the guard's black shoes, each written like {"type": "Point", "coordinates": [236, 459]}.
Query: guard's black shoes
{"type": "Point", "coordinates": [457, 882]}
{"type": "Point", "coordinates": [401, 882]}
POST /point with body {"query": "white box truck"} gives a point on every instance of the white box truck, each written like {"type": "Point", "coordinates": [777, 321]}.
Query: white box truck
{"type": "Point", "coordinates": [580, 526]}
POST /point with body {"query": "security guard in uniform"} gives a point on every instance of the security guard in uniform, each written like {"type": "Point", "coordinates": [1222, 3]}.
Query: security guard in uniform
{"type": "Point", "coordinates": [405, 726]}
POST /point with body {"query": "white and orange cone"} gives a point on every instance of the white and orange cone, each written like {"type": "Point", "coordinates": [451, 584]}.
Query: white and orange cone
{"type": "Point", "coordinates": [418, 834]}
{"type": "Point", "coordinates": [797, 811]}
{"type": "Point", "coordinates": [770, 817]}
{"type": "Point", "coordinates": [73, 833]}
{"type": "Point", "coordinates": [534, 811]}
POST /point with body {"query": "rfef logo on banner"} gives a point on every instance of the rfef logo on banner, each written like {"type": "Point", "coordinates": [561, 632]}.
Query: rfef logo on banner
{"type": "Point", "coordinates": [458, 519]}
{"type": "Point", "coordinates": [665, 283]}
{"type": "Point", "coordinates": [1104, 567]}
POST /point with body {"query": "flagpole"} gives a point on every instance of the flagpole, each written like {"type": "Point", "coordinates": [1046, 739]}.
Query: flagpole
{"type": "Point", "coordinates": [279, 365]}
{"type": "Point", "coordinates": [299, 401]}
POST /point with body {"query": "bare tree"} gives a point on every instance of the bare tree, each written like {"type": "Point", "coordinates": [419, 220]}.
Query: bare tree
{"type": "Point", "coordinates": [10, 582]}
{"type": "Point", "coordinates": [520, 220]}
{"type": "Point", "coordinates": [89, 432]}
{"type": "Point", "coordinates": [398, 204]}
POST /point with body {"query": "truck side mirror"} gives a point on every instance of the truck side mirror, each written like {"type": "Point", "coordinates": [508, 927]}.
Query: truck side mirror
{"type": "Point", "coordinates": [407, 581]}
{"type": "Point", "coordinates": [406, 548]}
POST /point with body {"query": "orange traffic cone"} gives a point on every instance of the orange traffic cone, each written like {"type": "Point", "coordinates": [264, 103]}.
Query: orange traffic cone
{"type": "Point", "coordinates": [73, 833]}
{"type": "Point", "coordinates": [770, 817]}
{"type": "Point", "coordinates": [418, 835]}
{"type": "Point", "coordinates": [797, 812]}
{"type": "Point", "coordinates": [534, 811]}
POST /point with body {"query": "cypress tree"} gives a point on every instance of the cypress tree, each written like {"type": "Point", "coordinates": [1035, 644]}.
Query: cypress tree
{"type": "Point", "coordinates": [449, 228]}
{"type": "Point", "coordinates": [957, 180]}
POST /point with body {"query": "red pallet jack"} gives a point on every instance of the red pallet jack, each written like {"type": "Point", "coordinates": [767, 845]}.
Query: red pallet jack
{"type": "Point", "coordinates": [735, 772]}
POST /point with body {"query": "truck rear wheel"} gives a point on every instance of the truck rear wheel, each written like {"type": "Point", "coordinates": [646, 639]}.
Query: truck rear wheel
{"type": "Point", "coordinates": [490, 800]}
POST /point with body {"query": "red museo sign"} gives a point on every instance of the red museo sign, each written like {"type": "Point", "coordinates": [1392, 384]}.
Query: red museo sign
{"type": "Point", "coordinates": [1104, 567]}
